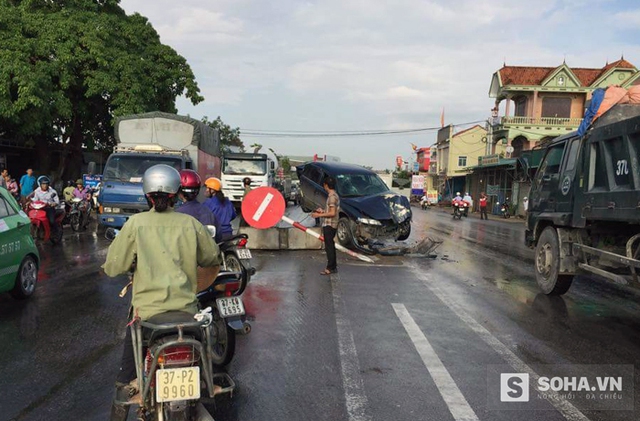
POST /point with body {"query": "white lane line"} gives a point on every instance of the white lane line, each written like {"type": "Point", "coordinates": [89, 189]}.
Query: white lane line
{"type": "Point", "coordinates": [352, 383]}
{"type": "Point", "coordinates": [263, 206]}
{"type": "Point", "coordinates": [453, 397]}
{"type": "Point", "coordinates": [563, 406]}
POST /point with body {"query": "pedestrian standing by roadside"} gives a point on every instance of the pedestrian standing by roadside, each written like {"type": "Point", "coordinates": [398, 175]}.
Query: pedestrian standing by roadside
{"type": "Point", "coordinates": [330, 217]}
{"type": "Point", "coordinates": [27, 184]}
{"type": "Point", "coordinates": [3, 178]}
{"type": "Point", "coordinates": [483, 206]}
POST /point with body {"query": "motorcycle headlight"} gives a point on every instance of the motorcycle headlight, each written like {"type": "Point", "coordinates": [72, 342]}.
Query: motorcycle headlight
{"type": "Point", "coordinates": [369, 221]}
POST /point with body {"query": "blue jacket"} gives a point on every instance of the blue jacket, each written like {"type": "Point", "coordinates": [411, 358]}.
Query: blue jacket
{"type": "Point", "coordinates": [203, 214]}
{"type": "Point", "coordinates": [224, 213]}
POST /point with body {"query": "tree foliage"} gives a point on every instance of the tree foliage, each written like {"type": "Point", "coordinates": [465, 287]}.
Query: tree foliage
{"type": "Point", "coordinates": [69, 67]}
{"type": "Point", "coordinates": [228, 136]}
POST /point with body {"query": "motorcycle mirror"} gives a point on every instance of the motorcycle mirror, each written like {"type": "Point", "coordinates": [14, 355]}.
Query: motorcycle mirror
{"type": "Point", "coordinates": [212, 230]}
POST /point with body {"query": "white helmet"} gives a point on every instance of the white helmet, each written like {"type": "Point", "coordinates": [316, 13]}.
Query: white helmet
{"type": "Point", "coordinates": [161, 178]}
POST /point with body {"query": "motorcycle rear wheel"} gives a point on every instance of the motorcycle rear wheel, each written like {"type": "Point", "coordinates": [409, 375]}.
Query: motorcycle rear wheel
{"type": "Point", "coordinates": [224, 346]}
{"type": "Point", "coordinates": [232, 263]}
{"type": "Point", "coordinates": [75, 222]}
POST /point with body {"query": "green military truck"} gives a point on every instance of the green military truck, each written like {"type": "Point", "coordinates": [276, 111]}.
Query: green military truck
{"type": "Point", "coordinates": [584, 205]}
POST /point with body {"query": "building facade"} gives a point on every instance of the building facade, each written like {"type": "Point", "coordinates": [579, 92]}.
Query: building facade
{"type": "Point", "coordinates": [455, 154]}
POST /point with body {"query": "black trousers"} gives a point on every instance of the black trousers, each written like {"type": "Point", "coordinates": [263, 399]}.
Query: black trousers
{"type": "Point", "coordinates": [483, 211]}
{"type": "Point", "coordinates": [329, 234]}
{"type": "Point", "coordinates": [128, 364]}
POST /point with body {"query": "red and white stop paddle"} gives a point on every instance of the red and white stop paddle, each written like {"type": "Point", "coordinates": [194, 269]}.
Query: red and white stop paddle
{"type": "Point", "coordinates": [264, 207]}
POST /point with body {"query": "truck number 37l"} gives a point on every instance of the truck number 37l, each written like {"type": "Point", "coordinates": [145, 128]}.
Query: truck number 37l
{"type": "Point", "coordinates": [623, 167]}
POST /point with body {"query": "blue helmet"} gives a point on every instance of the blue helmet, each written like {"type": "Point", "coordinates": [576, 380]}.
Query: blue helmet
{"type": "Point", "coordinates": [43, 179]}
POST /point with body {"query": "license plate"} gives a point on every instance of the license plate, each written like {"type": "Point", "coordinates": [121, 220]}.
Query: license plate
{"type": "Point", "coordinates": [230, 306]}
{"type": "Point", "coordinates": [244, 253]}
{"type": "Point", "coordinates": [177, 384]}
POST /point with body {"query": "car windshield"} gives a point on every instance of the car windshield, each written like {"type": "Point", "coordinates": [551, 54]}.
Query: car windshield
{"type": "Point", "coordinates": [131, 168]}
{"type": "Point", "coordinates": [244, 167]}
{"type": "Point", "coordinates": [354, 185]}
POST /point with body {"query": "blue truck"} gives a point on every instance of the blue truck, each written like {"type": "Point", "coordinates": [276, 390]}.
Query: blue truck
{"type": "Point", "coordinates": [144, 140]}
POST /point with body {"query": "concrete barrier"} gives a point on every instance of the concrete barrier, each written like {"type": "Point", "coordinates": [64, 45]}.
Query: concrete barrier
{"type": "Point", "coordinates": [281, 239]}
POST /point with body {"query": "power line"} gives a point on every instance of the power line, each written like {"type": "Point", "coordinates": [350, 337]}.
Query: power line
{"type": "Point", "coordinates": [346, 133]}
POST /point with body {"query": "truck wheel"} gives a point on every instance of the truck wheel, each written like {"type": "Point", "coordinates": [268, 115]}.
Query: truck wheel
{"type": "Point", "coordinates": [547, 263]}
{"type": "Point", "coordinates": [345, 238]}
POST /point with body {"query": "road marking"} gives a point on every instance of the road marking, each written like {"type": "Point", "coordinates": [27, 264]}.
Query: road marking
{"type": "Point", "coordinates": [567, 410]}
{"type": "Point", "coordinates": [355, 397]}
{"type": "Point", "coordinates": [453, 397]}
{"type": "Point", "coordinates": [263, 206]}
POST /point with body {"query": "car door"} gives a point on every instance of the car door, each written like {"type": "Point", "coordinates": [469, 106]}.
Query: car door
{"type": "Point", "coordinates": [567, 176]}
{"type": "Point", "coordinates": [547, 180]}
{"type": "Point", "coordinates": [12, 244]}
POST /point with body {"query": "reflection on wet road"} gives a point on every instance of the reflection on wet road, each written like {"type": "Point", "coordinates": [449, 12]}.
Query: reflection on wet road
{"type": "Point", "coordinates": [403, 339]}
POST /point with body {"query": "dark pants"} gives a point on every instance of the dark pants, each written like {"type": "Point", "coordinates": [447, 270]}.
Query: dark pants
{"type": "Point", "coordinates": [51, 216]}
{"type": "Point", "coordinates": [128, 364]}
{"type": "Point", "coordinates": [483, 212]}
{"type": "Point", "coordinates": [329, 234]}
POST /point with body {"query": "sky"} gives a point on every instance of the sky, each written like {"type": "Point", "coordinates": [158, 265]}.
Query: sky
{"type": "Point", "coordinates": [352, 65]}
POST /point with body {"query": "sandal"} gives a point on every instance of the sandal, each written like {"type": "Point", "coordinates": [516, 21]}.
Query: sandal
{"type": "Point", "coordinates": [328, 272]}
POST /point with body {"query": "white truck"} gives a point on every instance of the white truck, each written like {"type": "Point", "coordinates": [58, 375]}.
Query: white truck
{"type": "Point", "coordinates": [259, 167]}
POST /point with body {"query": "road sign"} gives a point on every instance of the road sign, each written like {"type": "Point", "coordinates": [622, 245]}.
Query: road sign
{"type": "Point", "coordinates": [263, 207]}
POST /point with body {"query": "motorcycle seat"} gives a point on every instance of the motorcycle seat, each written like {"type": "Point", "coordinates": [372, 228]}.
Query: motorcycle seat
{"type": "Point", "coordinates": [166, 324]}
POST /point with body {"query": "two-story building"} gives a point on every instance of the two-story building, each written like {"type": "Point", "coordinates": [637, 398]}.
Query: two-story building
{"type": "Point", "coordinates": [455, 153]}
{"type": "Point", "coordinates": [539, 104]}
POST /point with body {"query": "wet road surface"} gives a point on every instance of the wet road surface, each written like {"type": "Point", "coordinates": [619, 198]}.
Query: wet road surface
{"type": "Point", "coordinates": [403, 339]}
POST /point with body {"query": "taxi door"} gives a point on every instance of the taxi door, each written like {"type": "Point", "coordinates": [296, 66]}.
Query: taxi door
{"type": "Point", "coordinates": [15, 240]}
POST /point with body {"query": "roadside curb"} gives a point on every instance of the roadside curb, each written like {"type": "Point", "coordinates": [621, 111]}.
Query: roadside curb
{"type": "Point", "coordinates": [281, 239]}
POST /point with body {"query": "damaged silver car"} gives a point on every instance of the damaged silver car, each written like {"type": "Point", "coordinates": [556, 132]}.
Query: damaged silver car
{"type": "Point", "coordinates": [369, 211]}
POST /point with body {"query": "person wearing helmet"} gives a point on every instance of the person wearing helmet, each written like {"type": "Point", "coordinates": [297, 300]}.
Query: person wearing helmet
{"type": "Point", "coordinates": [163, 248]}
{"type": "Point", "coordinates": [45, 193]}
{"type": "Point", "coordinates": [67, 193]}
{"type": "Point", "coordinates": [190, 183]}
{"type": "Point", "coordinates": [246, 183]}
{"type": "Point", "coordinates": [80, 192]}
{"type": "Point", "coordinates": [221, 206]}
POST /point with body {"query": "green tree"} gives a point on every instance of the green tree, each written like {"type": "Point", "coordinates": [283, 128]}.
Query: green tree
{"type": "Point", "coordinates": [285, 163]}
{"type": "Point", "coordinates": [228, 136]}
{"type": "Point", "coordinates": [68, 67]}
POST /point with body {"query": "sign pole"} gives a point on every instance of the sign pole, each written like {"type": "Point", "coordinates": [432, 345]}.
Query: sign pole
{"type": "Point", "coordinates": [321, 238]}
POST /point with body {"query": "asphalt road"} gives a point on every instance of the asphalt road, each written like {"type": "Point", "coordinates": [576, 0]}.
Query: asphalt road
{"type": "Point", "coordinates": [402, 339]}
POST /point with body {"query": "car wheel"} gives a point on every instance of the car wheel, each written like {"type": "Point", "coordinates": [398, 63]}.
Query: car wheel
{"type": "Point", "coordinates": [547, 263]}
{"type": "Point", "coordinates": [26, 278]}
{"type": "Point", "coordinates": [405, 231]}
{"type": "Point", "coordinates": [344, 233]}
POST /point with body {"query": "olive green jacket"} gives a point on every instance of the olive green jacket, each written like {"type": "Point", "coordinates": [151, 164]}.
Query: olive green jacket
{"type": "Point", "coordinates": [167, 248]}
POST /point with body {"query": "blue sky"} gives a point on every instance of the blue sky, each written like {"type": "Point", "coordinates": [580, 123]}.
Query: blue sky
{"type": "Point", "coordinates": [365, 64]}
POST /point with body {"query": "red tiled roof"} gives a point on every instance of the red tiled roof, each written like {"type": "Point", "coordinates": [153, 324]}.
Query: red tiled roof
{"type": "Point", "coordinates": [533, 76]}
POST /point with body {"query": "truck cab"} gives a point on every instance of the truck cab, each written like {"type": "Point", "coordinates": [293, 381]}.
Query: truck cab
{"type": "Point", "coordinates": [121, 195]}
{"type": "Point", "coordinates": [259, 167]}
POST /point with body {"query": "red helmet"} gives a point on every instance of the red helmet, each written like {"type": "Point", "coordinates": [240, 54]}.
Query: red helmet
{"type": "Point", "coordinates": [190, 181]}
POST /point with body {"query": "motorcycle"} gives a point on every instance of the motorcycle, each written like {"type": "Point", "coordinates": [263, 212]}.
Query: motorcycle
{"type": "Point", "coordinates": [79, 214]}
{"type": "Point", "coordinates": [504, 210]}
{"type": "Point", "coordinates": [460, 209]}
{"type": "Point", "coordinates": [40, 227]}
{"type": "Point", "coordinates": [174, 352]}
{"type": "Point", "coordinates": [236, 255]}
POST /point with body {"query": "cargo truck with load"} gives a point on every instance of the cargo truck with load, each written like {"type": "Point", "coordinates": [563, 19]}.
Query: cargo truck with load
{"type": "Point", "coordinates": [584, 204]}
{"type": "Point", "coordinates": [145, 140]}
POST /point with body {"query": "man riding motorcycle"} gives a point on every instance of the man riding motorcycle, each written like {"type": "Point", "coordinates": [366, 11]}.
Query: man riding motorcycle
{"type": "Point", "coordinates": [163, 248]}
{"type": "Point", "coordinates": [48, 195]}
